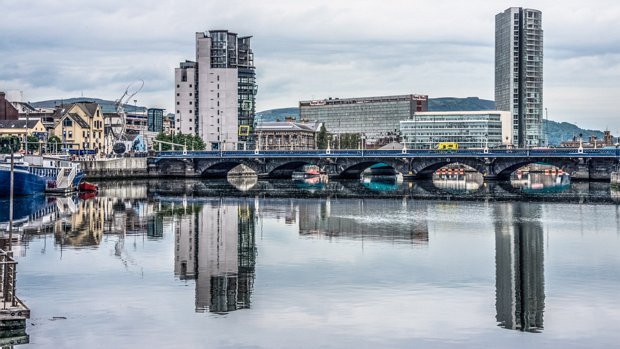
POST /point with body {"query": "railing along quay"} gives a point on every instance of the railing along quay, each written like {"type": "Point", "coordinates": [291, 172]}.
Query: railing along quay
{"type": "Point", "coordinates": [13, 313]}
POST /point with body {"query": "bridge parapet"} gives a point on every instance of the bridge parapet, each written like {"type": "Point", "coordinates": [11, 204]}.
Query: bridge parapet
{"type": "Point", "coordinates": [585, 163]}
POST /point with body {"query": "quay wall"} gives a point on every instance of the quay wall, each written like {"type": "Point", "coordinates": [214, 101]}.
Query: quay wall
{"type": "Point", "coordinates": [115, 168]}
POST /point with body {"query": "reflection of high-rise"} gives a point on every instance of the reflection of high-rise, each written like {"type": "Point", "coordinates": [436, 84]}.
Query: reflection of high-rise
{"type": "Point", "coordinates": [365, 218]}
{"type": "Point", "coordinates": [519, 262]}
{"type": "Point", "coordinates": [215, 245]}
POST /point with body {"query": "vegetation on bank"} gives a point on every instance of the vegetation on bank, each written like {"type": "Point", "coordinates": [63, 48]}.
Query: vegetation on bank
{"type": "Point", "coordinates": [193, 142]}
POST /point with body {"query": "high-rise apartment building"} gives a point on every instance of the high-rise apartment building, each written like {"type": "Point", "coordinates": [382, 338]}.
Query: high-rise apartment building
{"type": "Point", "coordinates": [215, 95]}
{"type": "Point", "coordinates": [519, 72]}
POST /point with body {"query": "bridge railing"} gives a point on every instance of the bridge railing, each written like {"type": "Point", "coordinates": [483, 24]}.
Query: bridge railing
{"type": "Point", "coordinates": [550, 152]}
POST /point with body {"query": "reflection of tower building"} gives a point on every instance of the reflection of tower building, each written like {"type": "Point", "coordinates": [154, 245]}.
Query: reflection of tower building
{"type": "Point", "coordinates": [185, 248]}
{"type": "Point", "coordinates": [216, 247]}
{"type": "Point", "coordinates": [519, 261]}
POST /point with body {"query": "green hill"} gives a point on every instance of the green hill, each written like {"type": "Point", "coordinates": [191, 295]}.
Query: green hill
{"type": "Point", "coordinates": [107, 106]}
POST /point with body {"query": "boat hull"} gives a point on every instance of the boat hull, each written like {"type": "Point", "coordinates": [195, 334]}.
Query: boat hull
{"type": "Point", "coordinates": [25, 183]}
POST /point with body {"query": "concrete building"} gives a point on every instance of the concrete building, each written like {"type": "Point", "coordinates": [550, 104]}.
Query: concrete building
{"type": "Point", "coordinates": [375, 118]}
{"type": "Point", "coordinates": [215, 95]}
{"type": "Point", "coordinates": [470, 129]}
{"type": "Point", "coordinates": [519, 72]}
{"type": "Point", "coordinates": [287, 135]}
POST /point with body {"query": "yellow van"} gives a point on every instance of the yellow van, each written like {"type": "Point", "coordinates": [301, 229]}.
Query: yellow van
{"type": "Point", "coordinates": [447, 146]}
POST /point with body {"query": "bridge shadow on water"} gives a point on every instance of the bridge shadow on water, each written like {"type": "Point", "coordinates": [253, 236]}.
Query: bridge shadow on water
{"type": "Point", "coordinates": [533, 188]}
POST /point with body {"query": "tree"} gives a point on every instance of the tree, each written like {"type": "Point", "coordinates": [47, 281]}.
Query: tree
{"type": "Point", "coordinates": [349, 140]}
{"type": "Point", "coordinates": [321, 138]}
{"type": "Point", "coordinates": [33, 143]}
{"type": "Point", "coordinates": [192, 141]}
{"type": "Point", "coordinates": [53, 144]}
{"type": "Point", "coordinates": [9, 144]}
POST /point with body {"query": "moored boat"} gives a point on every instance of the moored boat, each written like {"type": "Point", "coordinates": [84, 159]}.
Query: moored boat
{"type": "Point", "coordinates": [86, 187]}
{"type": "Point", "coordinates": [45, 174]}
{"type": "Point", "coordinates": [307, 171]}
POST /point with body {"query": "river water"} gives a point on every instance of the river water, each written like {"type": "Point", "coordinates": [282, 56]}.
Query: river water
{"type": "Point", "coordinates": [370, 264]}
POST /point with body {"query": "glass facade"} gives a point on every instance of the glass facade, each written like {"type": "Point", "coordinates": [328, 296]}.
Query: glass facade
{"type": "Point", "coordinates": [155, 120]}
{"type": "Point", "coordinates": [468, 129]}
{"type": "Point", "coordinates": [519, 72]}
{"type": "Point", "coordinates": [373, 117]}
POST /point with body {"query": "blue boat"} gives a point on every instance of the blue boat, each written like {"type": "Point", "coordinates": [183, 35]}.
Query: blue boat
{"type": "Point", "coordinates": [50, 174]}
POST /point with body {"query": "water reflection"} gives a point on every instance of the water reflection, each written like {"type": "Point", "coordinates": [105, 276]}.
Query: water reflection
{"type": "Point", "coordinates": [215, 246]}
{"type": "Point", "coordinates": [396, 221]}
{"type": "Point", "coordinates": [519, 262]}
{"type": "Point", "coordinates": [382, 183]}
{"type": "Point", "coordinates": [243, 183]}
{"type": "Point", "coordinates": [458, 182]}
{"type": "Point", "coordinates": [312, 184]}
{"type": "Point", "coordinates": [540, 183]}
{"type": "Point", "coordinates": [615, 194]}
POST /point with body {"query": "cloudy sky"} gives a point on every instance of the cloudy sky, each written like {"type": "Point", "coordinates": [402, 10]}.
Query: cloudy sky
{"type": "Point", "coordinates": [310, 49]}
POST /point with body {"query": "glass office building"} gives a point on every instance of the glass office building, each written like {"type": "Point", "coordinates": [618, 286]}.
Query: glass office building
{"type": "Point", "coordinates": [155, 120]}
{"type": "Point", "coordinates": [375, 118]}
{"type": "Point", "coordinates": [470, 129]}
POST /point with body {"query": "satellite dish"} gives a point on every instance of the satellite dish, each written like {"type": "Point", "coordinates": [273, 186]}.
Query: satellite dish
{"type": "Point", "coordinates": [119, 148]}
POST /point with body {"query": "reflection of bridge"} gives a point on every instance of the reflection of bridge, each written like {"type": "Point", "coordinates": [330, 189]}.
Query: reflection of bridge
{"type": "Point", "coordinates": [579, 163]}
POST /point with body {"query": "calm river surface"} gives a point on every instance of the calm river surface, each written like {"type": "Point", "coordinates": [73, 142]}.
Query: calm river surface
{"type": "Point", "coordinates": [253, 264]}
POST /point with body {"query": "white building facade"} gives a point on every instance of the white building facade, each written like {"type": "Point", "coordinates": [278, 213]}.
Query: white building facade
{"type": "Point", "coordinates": [470, 129]}
{"type": "Point", "coordinates": [215, 95]}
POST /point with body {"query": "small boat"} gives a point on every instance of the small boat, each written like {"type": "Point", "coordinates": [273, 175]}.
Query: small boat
{"type": "Point", "coordinates": [45, 174]}
{"type": "Point", "coordinates": [86, 187]}
{"type": "Point", "coordinates": [308, 171]}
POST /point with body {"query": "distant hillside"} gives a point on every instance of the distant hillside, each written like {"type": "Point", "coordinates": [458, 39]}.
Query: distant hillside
{"type": "Point", "coordinates": [459, 104]}
{"type": "Point", "coordinates": [563, 131]}
{"type": "Point", "coordinates": [556, 131]}
{"type": "Point", "coordinates": [277, 114]}
{"type": "Point", "coordinates": [106, 105]}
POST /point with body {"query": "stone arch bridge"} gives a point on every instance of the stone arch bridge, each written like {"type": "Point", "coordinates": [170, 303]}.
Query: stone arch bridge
{"type": "Point", "coordinates": [594, 164]}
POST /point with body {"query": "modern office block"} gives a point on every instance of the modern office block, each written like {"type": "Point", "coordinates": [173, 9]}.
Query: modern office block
{"type": "Point", "coordinates": [470, 129]}
{"type": "Point", "coordinates": [375, 118]}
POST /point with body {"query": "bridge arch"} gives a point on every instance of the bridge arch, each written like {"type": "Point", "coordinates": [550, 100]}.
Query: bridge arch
{"type": "Point", "coordinates": [504, 169]}
{"type": "Point", "coordinates": [424, 168]}
{"type": "Point", "coordinates": [354, 169]}
{"type": "Point", "coordinates": [220, 168]}
{"type": "Point", "coordinates": [285, 169]}
{"type": "Point", "coordinates": [174, 167]}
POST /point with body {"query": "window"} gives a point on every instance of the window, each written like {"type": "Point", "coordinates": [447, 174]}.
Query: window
{"type": "Point", "coordinates": [190, 111]}
{"type": "Point", "coordinates": [67, 123]}
{"type": "Point", "coordinates": [178, 112]}
{"type": "Point", "coordinates": [190, 94]}
{"type": "Point", "coordinates": [190, 85]}
{"type": "Point", "coordinates": [178, 86]}
{"type": "Point", "coordinates": [178, 94]}
{"type": "Point", "coordinates": [190, 102]}
{"type": "Point", "coordinates": [178, 103]}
